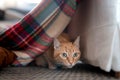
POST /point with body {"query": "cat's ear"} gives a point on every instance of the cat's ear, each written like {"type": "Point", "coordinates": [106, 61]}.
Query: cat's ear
{"type": "Point", "coordinates": [56, 43]}
{"type": "Point", "coordinates": [77, 42]}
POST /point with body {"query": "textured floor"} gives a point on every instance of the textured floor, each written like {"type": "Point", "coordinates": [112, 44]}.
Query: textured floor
{"type": "Point", "coordinates": [80, 72]}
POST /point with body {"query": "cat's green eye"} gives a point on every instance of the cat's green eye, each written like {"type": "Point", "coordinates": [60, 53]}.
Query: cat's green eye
{"type": "Point", "coordinates": [64, 54]}
{"type": "Point", "coordinates": [75, 54]}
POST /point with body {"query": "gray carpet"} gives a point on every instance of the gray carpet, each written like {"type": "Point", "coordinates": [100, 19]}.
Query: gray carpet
{"type": "Point", "coordinates": [79, 72]}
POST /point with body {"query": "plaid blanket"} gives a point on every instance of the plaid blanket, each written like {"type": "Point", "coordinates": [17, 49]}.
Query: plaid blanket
{"type": "Point", "coordinates": [33, 34]}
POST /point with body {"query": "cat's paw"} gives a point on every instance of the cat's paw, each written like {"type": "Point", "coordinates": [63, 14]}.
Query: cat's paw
{"type": "Point", "coordinates": [52, 67]}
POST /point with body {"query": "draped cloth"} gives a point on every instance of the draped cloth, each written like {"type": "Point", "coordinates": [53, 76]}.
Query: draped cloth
{"type": "Point", "coordinates": [98, 24]}
{"type": "Point", "coordinates": [33, 34]}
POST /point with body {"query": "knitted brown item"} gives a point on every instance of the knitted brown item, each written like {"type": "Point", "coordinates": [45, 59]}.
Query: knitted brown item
{"type": "Point", "coordinates": [6, 57]}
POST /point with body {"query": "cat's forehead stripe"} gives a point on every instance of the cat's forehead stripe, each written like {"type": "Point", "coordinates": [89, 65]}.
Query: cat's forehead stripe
{"type": "Point", "coordinates": [69, 48]}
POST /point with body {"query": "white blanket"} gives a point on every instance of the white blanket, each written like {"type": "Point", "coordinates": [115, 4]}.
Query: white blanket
{"type": "Point", "coordinates": [97, 21]}
{"type": "Point", "coordinates": [102, 35]}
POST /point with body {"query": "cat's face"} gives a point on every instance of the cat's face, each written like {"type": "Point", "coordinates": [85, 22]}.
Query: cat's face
{"type": "Point", "coordinates": [67, 54]}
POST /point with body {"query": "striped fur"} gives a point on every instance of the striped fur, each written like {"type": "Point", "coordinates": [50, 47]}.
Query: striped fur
{"type": "Point", "coordinates": [62, 53]}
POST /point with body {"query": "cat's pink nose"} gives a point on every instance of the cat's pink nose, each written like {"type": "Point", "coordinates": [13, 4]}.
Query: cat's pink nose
{"type": "Point", "coordinates": [71, 62]}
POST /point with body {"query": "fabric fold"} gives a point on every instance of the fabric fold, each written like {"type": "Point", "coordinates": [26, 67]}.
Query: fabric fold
{"type": "Point", "coordinates": [33, 34]}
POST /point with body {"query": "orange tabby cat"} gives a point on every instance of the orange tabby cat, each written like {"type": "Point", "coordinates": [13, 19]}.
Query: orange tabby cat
{"type": "Point", "coordinates": [62, 52]}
